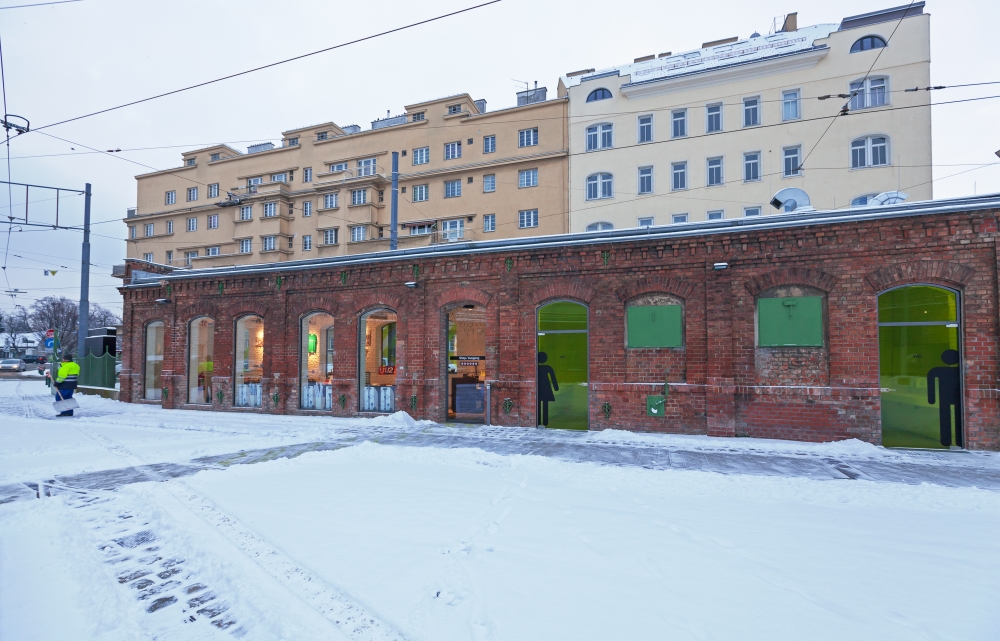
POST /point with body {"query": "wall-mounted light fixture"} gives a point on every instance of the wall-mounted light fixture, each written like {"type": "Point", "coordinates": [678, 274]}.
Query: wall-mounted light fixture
{"type": "Point", "coordinates": [718, 266]}
{"type": "Point", "coordinates": [412, 284]}
{"type": "Point", "coordinates": [162, 301]}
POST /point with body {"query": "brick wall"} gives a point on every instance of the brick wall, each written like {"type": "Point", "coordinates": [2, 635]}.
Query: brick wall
{"type": "Point", "coordinates": [720, 382]}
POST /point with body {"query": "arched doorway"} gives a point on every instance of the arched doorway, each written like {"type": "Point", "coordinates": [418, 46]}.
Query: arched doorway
{"type": "Point", "coordinates": [378, 361]}
{"type": "Point", "coordinates": [249, 360]}
{"type": "Point", "coordinates": [562, 360]}
{"type": "Point", "coordinates": [465, 364]}
{"type": "Point", "coordinates": [201, 360]}
{"type": "Point", "coordinates": [919, 367]}
{"type": "Point", "coordinates": [316, 362]}
{"type": "Point", "coordinates": [152, 384]}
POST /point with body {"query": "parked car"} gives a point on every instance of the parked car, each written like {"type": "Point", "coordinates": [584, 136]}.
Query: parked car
{"type": "Point", "coordinates": [11, 365]}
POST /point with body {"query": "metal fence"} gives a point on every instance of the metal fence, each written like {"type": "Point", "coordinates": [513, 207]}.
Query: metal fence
{"type": "Point", "coordinates": [98, 371]}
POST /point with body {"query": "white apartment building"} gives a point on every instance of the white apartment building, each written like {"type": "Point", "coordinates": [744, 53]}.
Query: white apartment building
{"type": "Point", "coordinates": [715, 132]}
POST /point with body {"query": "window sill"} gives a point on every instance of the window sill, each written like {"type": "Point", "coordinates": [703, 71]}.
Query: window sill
{"type": "Point", "coordinates": [380, 206]}
{"type": "Point", "coordinates": [323, 245]}
{"type": "Point", "coordinates": [326, 209]}
{"type": "Point", "coordinates": [885, 166]}
{"type": "Point", "coordinates": [276, 251]}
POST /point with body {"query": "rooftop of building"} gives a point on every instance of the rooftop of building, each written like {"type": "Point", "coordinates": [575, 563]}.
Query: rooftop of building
{"type": "Point", "coordinates": [677, 231]}
{"type": "Point", "coordinates": [729, 52]}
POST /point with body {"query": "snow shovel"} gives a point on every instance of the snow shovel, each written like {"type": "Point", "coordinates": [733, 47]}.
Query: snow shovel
{"type": "Point", "coordinates": [65, 404]}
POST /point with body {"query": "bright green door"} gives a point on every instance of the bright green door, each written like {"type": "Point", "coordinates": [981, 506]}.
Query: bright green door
{"type": "Point", "coordinates": [562, 366]}
{"type": "Point", "coordinates": [919, 367]}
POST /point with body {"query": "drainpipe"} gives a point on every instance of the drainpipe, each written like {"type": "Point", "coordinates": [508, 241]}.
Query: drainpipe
{"type": "Point", "coordinates": [394, 206]}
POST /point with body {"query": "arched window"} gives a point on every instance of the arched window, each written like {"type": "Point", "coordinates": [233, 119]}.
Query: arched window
{"type": "Point", "coordinates": [600, 186]}
{"type": "Point", "coordinates": [316, 359]}
{"type": "Point", "coordinates": [598, 94]}
{"type": "Point", "coordinates": [862, 201]}
{"type": "Point", "coordinates": [601, 226]}
{"type": "Point", "coordinates": [378, 369]}
{"type": "Point", "coordinates": [869, 92]}
{"type": "Point", "coordinates": [154, 361]}
{"type": "Point", "coordinates": [870, 151]}
{"type": "Point", "coordinates": [201, 360]}
{"type": "Point", "coordinates": [249, 362]}
{"type": "Point", "coordinates": [867, 43]}
{"type": "Point", "coordinates": [600, 136]}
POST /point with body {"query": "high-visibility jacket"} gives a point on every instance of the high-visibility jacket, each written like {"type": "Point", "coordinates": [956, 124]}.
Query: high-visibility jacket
{"type": "Point", "coordinates": [67, 375]}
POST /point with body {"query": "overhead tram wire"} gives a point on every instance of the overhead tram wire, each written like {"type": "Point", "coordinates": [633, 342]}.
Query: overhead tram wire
{"type": "Point", "coordinates": [275, 64]}
{"type": "Point", "coordinates": [38, 4]}
{"type": "Point", "coordinates": [10, 197]}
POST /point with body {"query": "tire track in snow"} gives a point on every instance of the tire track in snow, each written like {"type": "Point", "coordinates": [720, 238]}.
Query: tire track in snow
{"type": "Point", "coordinates": [345, 612]}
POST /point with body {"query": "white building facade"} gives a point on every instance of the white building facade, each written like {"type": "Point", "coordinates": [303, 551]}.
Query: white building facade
{"type": "Point", "coordinates": [716, 132]}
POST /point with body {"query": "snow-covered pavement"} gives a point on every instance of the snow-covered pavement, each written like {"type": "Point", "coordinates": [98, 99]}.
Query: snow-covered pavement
{"type": "Point", "coordinates": [179, 525]}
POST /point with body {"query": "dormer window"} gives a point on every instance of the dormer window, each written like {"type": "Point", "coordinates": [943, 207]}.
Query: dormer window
{"type": "Point", "coordinates": [599, 94]}
{"type": "Point", "coordinates": [867, 43]}
{"type": "Point", "coordinates": [189, 162]}
{"type": "Point", "coordinates": [454, 109]}
{"type": "Point", "coordinates": [322, 135]}
{"type": "Point", "coordinates": [214, 157]}
{"type": "Point", "coordinates": [292, 142]}
{"type": "Point", "coordinates": [417, 117]}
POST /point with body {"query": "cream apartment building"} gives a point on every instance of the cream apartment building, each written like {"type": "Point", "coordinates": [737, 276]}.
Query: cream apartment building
{"type": "Point", "coordinates": [716, 132]}
{"type": "Point", "coordinates": [464, 174]}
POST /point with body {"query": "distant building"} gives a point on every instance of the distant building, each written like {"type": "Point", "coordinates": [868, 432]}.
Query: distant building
{"type": "Point", "coordinates": [465, 174]}
{"type": "Point", "coordinates": [713, 133]}
{"type": "Point", "coordinates": [21, 344]}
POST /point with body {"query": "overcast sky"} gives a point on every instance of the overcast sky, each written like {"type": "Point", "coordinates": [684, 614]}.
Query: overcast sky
{"type": "Point", "coordinates": [69, 59]}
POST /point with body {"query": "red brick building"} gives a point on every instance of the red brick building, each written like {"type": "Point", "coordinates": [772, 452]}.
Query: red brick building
{"type": "Point", "coordinates": [769, 327]}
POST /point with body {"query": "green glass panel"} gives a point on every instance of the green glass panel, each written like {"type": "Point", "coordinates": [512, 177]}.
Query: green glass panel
{"type": "Point", "coordinates": [562, 316]}
{"type": "Point", "coordinates": [389, 344]}
{"type": "Point", "coordinates": [917, 304]}
{"type": "Point", "coordinates": [790, 322]}
{"type": "Point", "coordinates": [566, 354]}
{"type": "Point", "coordinates": [906, 356]}
{"type": "Point", "coordinates": [654, 326]}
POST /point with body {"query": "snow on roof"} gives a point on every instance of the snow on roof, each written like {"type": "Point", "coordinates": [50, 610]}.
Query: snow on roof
{"type": "Point", "coordinates": [709, 58]}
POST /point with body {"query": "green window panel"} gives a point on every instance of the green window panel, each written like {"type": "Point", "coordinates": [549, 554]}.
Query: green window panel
{"type": "Point", "coordinates": [654, 326]}
{"type": "Point", "coordinates": [917, 304]}
{"type": "Point", "coordinates": [562, 316]}
{"type": "Point", "coordinates": [790, 322]}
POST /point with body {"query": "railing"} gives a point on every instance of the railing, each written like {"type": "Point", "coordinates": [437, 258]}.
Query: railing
{"type": "Point", "coordinates": [379, 399]}
{"type": "Point", "coordinates": [317, 396]}
{"type": "Point", "coordinates": [249, 395]}
{"type": "Point", "coordinates": [452, 236]}
{"type": "Point", "coordinates": [98, 371]}
{"type": "Point", "coordinates": [389, 122]}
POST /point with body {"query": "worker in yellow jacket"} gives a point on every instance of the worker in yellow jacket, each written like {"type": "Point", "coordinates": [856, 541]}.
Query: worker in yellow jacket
{"type": "Point", "coordinates": [66, 379]}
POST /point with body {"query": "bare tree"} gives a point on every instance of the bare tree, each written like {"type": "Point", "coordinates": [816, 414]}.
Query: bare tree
{"type": "Point", "coordinates": [12, 325]}
{"type": "Point", "coordinates": [62, 314]}
{"type": "Point", "coordinates": [103, 317]}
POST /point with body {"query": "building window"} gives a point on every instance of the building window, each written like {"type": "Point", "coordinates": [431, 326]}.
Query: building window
{"type": "Point", "coordinates": [170, 256]}
{"type": "Point", "coordinates": [751, 166]}
{"type": "Point", "coordinates": [322, 135]}
{"type": "Point", "coordinates": [679, 218]}
{"type": "Point", "coordinates": [870, 151]}
{"type": "Point", "coordinates": [716, 215]}
{"type": "Point", "coordinates": [214, 157]}
{"type": "Point", "coordinates": [751, 112]}
{"type": "Point", "coordinates": [527, 218]}
{"type": "Point", "coordinates": [527, 137]}
{"type": "Point", "coordinates": [599, 94]}
{"type": "Point", "coordinates": [148, 257]}
{"type": "Point", "coordinates": [791, 105]}
{"type": "Point", "coordinates": [340, 166]}
{"type": "Point", "coordinates": [213, 190]}
{"type": "Point", "coordinates": [248, 363]}
{"type": "Point", "coordinates": [421, 229]}
{"type": "Point", "coordinates": [678, 171]}
{"type": "Point", "coordinates": [749, 212]}
{"type": "Point", "coordinates": [131, 231]}
{"type": "Point", "coordinates": [527, 178]}
{"type": "Point", "coordinates": [189, 256]}
{"type": "Point", "coordinates": [154, 361]}
{"type": "Point", "coordinates": [645, 180]}
{"type": "Point", "coordinates": [279, 178]}
{"type": "Point", "coordinates": [489, 222]}
{"type": "Point", "coordinates": [454, 109]}
{"type": "Point", "coordinates": [366, 167]}
{"type": "Point", "coordinates": [713, 121]}
{"type": "Point", "coordinates": [213, 251]}
{"type": "Point", "coordinates": [359, 196]}
{"type": "Point", "coordinates": [192, 193]}
{"type": "Point", "coordinates": [357, 234]}
{"type": "Point", "coordinates": [600, 137]}
{"type": "Point", "coordinates": [213, 221]}
{"type": "Point", "coordinates": [795, 321]}
{"type": "Point", "coordinates": [678, 120]}
{"type": "Point", "coordinates": [452, 230]}
{"type": "Point", "coordinates": [330, 236]}
{"type": "Point", "coordinates": [645, 129]}
{"type": "Point", "coordinates": [148, 229]}
{"type": "Point", "coordinates": [714, 172]}
{"type": "Point", "coordinates": [270, 210]}
{"type": "Point", "coordinates": [600, 186]}
{"type": "Point", "coordinates": [421, 156]}
{"type": "Point", "coordinates": [601, 226]}
{"type": "Point", "coordinates": [330, 201]}
{"type": "Point", "coordinates": [654, 326]}
{"type": "Point", "coordinates": [862, 201]}
{"type": "Point", "coordinates": [307, 209]}
{"type": "Point", "coordinates": [251, 182]}
{"type": "Point", "coordinates": [307, 175]}
{"type": "Point", "coordinates": [489, 144]}
{"type": "Point", "coordinates": [792, 164]}
{"type": "Point", "coordinates": [170, 198]}
{"type": "Point", "coordinates": [867, 44]}
{"type": "Point", "coordinates": [452, 188]}
{"type": "Point", "coordinates": [872, 92]}
{"type": "Point", "coordinates": [417, 117]}
{"type": "Point", "coordinates": [293, 142]}
{"type": "Point", "coordinates": [269, 243]}
{"type": "Point", "coordinates": [452, 150]}
{"type": "Point", "coordinates": [646, 222]}
{"type": "Point", "coordinates": [189, 162]}
{"type": "Point", "coordinates": [170, 226]}
{"type": "Point", "coordinates": [420, 193]}
{"type": "Point", "coordinates": [246, 212]}
{"type": "Point", "coordinates": [489, 183]}
{"type": "Point", "coordinates": [192, 224]}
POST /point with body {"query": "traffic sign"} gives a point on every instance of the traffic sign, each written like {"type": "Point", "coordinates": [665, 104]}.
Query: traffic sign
{"type": "Point", "coordinates": [50, 333]}
{"type": "Point", "coordinates": [50, 343]}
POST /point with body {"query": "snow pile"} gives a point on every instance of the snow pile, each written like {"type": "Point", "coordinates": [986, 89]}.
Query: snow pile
{"type": "Point", "coordinates": [850, 447]}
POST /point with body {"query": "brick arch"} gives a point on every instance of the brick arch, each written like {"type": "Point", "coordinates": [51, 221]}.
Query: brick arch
{"type": "Point", "coordinates": [574, 291]}
{"type": "Point", "coordinates": [459, 294]}
{"type": "Point", "coordinates": [250, 308]}
{"type": "Point", "coordinates": [367, 301]}
{"type": "Point", "coordinates": [189, 312]}
{"type": "Point", "coordinates": [655, 285]}
{"type": "Point", "coordinates": [791, 276]}
{"type": "Point", "coordinates": [303, 308]}
{"type": "Point", "coordinates": [916, 271]}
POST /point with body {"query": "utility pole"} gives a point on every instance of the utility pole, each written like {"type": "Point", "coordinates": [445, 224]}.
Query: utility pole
{"type": "Point", "coordinates": [84, 322]}
{"type": "Point", "coordinates": [394, 204]}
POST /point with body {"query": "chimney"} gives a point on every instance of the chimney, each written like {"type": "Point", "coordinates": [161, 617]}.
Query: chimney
{"type": "Point", "coordinates": [791, 22]}
{"type": "Point", "coordinates": [645, 58]}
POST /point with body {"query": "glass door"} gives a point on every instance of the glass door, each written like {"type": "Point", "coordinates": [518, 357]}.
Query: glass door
{"type": "Point", "coordinates": [466, 364]}
{"type": "Point", "coordinates": [562, 382]}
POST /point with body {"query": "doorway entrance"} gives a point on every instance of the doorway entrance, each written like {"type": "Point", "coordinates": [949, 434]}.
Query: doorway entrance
{"type": "Point", "coordinates": [378, 361]}
{"type": "Point", "coordinates": [465, 362]}
{"type": "Point", "coordinates": [919, 367]}
{"type": "Point", "coordinates": [563, 377]}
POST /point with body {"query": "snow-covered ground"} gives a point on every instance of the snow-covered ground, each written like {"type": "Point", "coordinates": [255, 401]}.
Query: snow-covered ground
{"type": "Point", "coordinates": [399, 530]}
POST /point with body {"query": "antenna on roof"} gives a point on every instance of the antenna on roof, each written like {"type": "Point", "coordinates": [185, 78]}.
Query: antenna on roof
{"type": "Point", "coordinates": [527, 85]}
